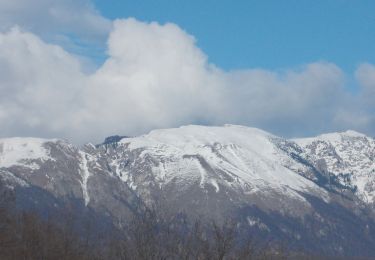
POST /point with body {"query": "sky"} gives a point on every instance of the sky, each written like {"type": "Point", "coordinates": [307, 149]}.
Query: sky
{"type": "Point", "coordinates": [268, 34]}
{"type": "Point", "coordinates": [82, 70]}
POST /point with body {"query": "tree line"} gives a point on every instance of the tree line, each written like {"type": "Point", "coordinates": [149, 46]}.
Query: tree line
{"type": "Point", "coordinates": [149, 234]}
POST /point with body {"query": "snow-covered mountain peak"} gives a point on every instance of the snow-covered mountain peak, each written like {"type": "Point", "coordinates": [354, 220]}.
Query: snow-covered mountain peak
{"type": "Point", "coordinates": [353, 133]}
{"type": "Point", "coordinates": [349, 156]}
{"type": "Point", "coordinates": [18, 150]}
{"type": "Point", "coordinates": [228, 156]}
{"type": "Point", "coordinates": [208, 142]}
{"type": "Point", "coordinates": [196, 135]}
{"type": "Point", "coordinates": [335, 137]}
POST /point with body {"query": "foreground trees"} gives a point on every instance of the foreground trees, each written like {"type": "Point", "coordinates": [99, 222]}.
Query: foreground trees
{"type": "Point", "coordinates": [148, 235]}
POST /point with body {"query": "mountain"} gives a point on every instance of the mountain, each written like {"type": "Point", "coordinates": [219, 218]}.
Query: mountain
{"type": "Point", "coordinates": [348, 157]}
{"type": "Point", "coordinates": [317, 193]}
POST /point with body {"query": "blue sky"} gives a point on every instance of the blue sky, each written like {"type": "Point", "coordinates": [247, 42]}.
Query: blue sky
{"type": "Point", "coordinates": [269, 34]}
{"type": "Point", "coordinates": [86, 69]}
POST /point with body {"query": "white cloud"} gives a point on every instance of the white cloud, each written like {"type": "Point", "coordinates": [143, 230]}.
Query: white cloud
{"type": "Point", "coordinates": [40, 85]}
{"type": "Point", "coordinates": [297, 101]}
{"type": "Point", "coordinates": [155, 77]}
{"type": "Point", "coordinates": [366, 76]}
{"type": "Point", "coordinates": [75, 24]}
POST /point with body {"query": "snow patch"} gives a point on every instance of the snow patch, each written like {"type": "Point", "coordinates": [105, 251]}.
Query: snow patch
{"type": "Point", "coordinates": [85, 174]}
{"type": "Point", "coordinates": [215, 184]}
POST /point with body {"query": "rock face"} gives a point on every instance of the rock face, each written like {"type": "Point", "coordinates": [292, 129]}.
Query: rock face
{"type": "Point", "coordinates": [316, 192]}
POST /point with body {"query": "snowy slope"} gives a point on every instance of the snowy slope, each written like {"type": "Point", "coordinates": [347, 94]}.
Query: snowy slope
{"type": "Point", "coordinates": [230, 156]}
{"type": "Point", "coordinates": [348, 156]}
{"type": "Point", "coordinates": [20, 151]}
{"type": "Point", "coordinates": [51, 164]}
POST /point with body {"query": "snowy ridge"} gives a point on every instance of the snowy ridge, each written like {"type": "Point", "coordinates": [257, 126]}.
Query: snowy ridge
{"type": "Point", "coordinates": [330, 137]}
{"type": "Point", "coordinates": [246, 158]}
{"type": "Point", "coordinates": [349, 156]}
{"type": "Point", "coordinates": [17, 151]}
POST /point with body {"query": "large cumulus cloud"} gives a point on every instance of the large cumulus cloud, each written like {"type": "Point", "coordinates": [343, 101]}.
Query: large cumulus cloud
{"type": "Point", "coordinates": [74, 24]}
{"type": "Point", "coordinates": [155, 76]}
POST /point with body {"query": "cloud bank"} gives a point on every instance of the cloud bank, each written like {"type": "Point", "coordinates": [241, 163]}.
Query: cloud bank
{"type": "Point", "coordinates": [74, 24]}
{"type": "Point", "coordinates": [155, 77]}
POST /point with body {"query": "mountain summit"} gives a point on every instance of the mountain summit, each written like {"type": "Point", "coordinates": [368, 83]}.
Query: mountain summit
{"type": "Point", "coordinates": [311, 189]}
